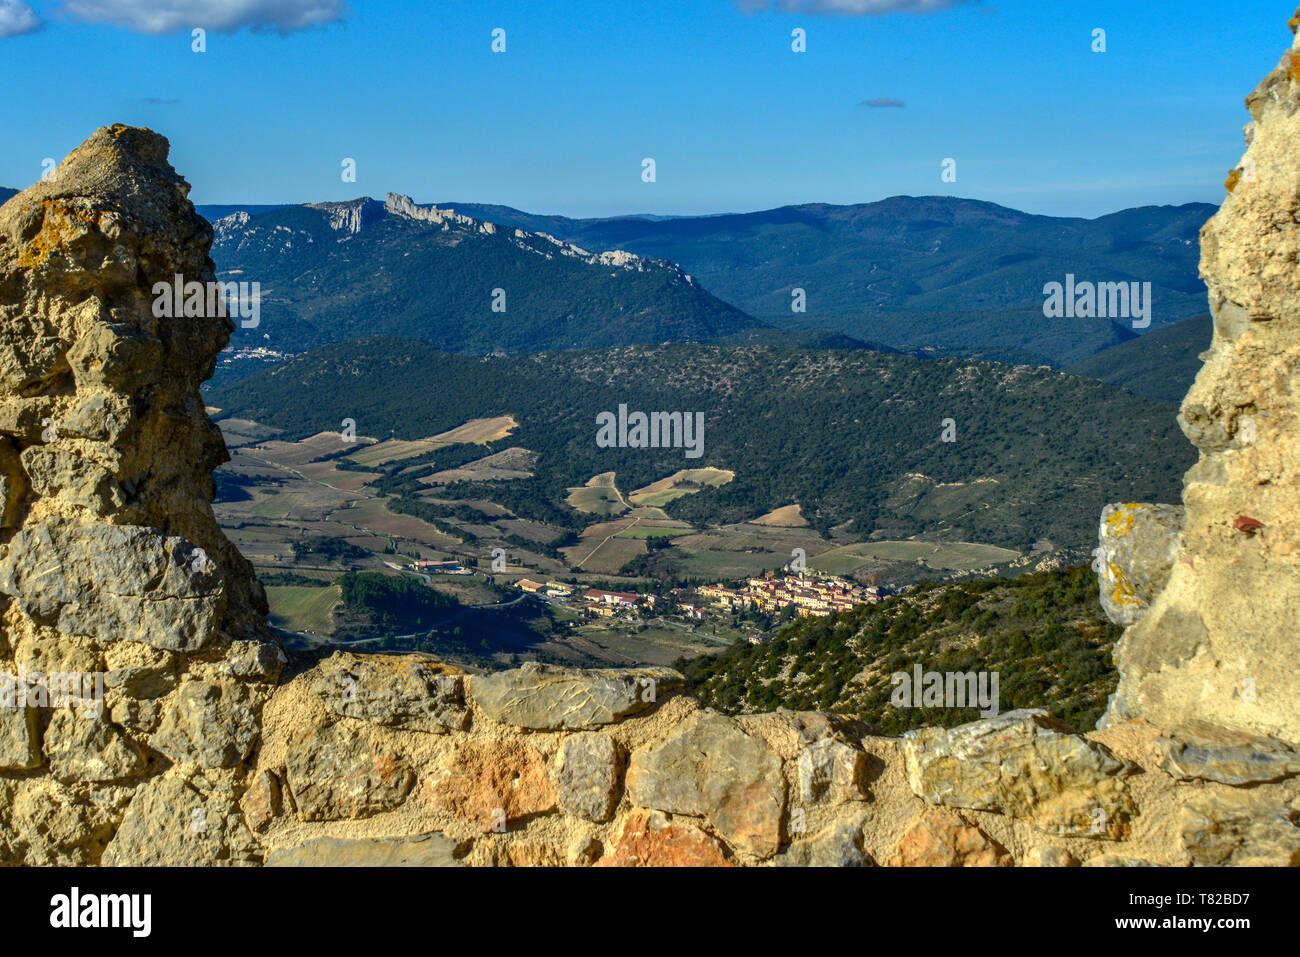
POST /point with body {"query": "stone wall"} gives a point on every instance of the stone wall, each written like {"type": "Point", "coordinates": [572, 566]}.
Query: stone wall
{"type": "Point", "coordinates": [395, 759]}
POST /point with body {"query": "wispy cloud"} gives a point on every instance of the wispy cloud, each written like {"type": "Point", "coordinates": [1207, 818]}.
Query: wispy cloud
{"type": "Point", "coordinates": [17, 17]}
{"type": "Point", "coordinates": [223, 16]}
{"type": "Point", "coordinates": [882, 101]}
{"type": "Point", "coordinates": [849, 8]}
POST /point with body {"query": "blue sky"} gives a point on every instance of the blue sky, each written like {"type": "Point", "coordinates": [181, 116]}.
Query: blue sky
{"type": "Point", "coordinates": [711, 89]}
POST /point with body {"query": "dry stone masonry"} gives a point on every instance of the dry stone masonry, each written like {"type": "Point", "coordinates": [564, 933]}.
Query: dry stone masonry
{"type": "Point", "coordinates": [114, 577]}
{"type": "Point", "coordinates": [197, 749]}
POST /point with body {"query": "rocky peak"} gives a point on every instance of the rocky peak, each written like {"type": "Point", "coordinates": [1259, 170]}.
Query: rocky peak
{"type": "Point", "coordinates": [350, 216]}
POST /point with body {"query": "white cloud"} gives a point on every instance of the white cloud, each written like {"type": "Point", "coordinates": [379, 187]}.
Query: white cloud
{"type": "Point", "coordinates": [225, 16]}
{"type": "Point", "coordinates": [883, 101]}
{"type": "Point", "coordinates": [849, 8]}
{"type": "Point", "coordinates": [17, 17]}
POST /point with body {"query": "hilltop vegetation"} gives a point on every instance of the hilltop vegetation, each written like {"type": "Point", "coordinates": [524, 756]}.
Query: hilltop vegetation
{"type": "Point", "coordinates": [852, 437]}
{"type": "Point", "coordinates": [1161, 365]}
{"type": "Point", "coordinates": [1043, 634]}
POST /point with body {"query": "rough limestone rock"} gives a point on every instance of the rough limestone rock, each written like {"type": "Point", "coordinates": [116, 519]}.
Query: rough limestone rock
{"type": "Point", "coordinates": [587, 769]}
{"type": "Point", "coordinates": [335, 775]}
{"type": "Point", "coordinates": [711, 768]}
{"type": "Point", "coordinates": [1219, 643]}
{"type": "Point", "coordinates": [649, 838]}
{"type": "Point", "coordinates": [55, 825]}
{"type": "Point", "coordinates": [1025, 764]}
{"type": "Point", "coordinates": [394, 690]}
{"type": "Point", "coordinates": [831, 771]}
{"type": "Point", "coordinates": [492, 784]}
{"type": "Point", "coordinates": [213, 724]}
{"type": "Point", "coordinates": [423, 850]}
{"type": "Point", "coordinates": [840, 845]}
{"type": "Point", "coordinates": [1242, 829]}
{"type": "Point", "coordinates": [262, 801]}
{"type": "Point", "coordinates": [1234, 759]}
{"type": "Point", "coordinates": [111, 562]}
{"type": "Point", "coordinates": [113, 583]}
{"type": "Point", "coordinates": [180, 819]}
{"type": "Point", "coordinates": [81, 746]}
{"type": "Point", "coordinates": [1116, 860]}
{"type": "Point", "coordinates": [941, 838]}
{"type": "Point", "coordinates": [20, 746]}
{"type": "Point", "coordinates": [545, 697]}
{"type": "Point", "coordinates": [1139, 545]}
{"type": "Point", "coordinates": [1048, 856]}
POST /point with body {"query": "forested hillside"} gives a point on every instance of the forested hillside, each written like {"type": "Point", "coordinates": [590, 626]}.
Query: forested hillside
{"type": "Point", "coordinates": [852, 436]}
{"type": "Point", "coordinates": [1044, 635]}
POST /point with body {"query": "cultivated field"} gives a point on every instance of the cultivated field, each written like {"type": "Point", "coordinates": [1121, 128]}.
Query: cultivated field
{"type": "Point", "coordinates": [945, 556]}
{"type": "Point", "coordinates": [605, 557]}
{"type": "Point", "coordinates": [506, 465]}
{"type": "Point", "coordinates": [787, 516]}
{"type": "Point", "coordinates": [300, 608]}
{"type": "Point", "coordinates": [684, 482]}
{"type": "Point", "coordinates": [479, 431]}
{"type": "Point", "coordinates": [598, 497]}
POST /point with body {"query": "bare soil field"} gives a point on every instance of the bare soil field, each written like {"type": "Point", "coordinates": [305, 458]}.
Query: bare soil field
{"type": "Point", "coordinates": [478, 431]}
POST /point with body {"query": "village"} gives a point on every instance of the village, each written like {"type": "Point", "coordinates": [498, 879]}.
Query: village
{"type": "Point", "coordinates": [807, 595]}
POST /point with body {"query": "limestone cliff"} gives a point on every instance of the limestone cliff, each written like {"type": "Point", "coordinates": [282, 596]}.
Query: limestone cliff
{"type": "Point", "coordinates": [111, 565]}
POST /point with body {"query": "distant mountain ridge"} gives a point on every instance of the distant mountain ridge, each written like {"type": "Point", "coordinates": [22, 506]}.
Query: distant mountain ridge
{"type": "Point", "coordinates": [904, 253]}
{"type": "Point", "coordinates": [933, 275]}
{"type": "Point", "coordinates": [333, 271]}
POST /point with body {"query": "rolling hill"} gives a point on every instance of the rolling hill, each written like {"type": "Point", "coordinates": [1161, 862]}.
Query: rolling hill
{"type": "Point", "coordinates": [854, 437]}
{"type": "Point", "coordinates": [1160, 365]}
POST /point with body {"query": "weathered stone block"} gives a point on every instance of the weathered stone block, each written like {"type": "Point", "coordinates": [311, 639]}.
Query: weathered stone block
{"type": "Point", "coordinates": [334, 775]}
{"type": "Point", "coordinates": [113, 583]}
{"type": "Point", "coordinates": [839, 845]}
{"type": "Point", "coordinates": [1027, 765]}
{"type": "Point", "coordinates": [832, 772]}
{"type": "Point", "coordinates": [587, 770]}
{"type": "Point", "coordinates": [422, 850]}
{"type": "Point", "coordinates": [646, 838]}
{"type": "Point", "coordinates": [547, 698]}
{"type": "Point", "coordinates": [1138, 548]}
{"type": "Point", "coordinates": [1240, 828]}
{"type": "Point", "coordinates": [393, 690]}
{"type": "Point", "coordinates": [940, 838]}
{"type": "Point", "coordinates": [20, 743]}
{"type": "Point", "coordinates": [709, 767]}
{"type": "Point", "coordinates": [179, 821]}
{"type": "Point", "coordinates": [492, 783]}
{"type": "Point", "coordinates": [214, 725]}
{"type": "Point", "coordinates": [82, 746]}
